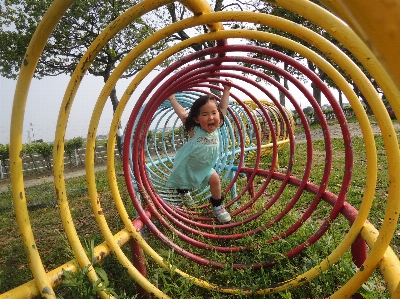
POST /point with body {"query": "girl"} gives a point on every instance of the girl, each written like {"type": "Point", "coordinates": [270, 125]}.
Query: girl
{"type": "Point", "coordinates": [194, 161]}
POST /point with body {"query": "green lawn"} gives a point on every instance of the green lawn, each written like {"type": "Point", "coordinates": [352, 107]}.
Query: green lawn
{"type": "Point", "coordinates": [55, 249]}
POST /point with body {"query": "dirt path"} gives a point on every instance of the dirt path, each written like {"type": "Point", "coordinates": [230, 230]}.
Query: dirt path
{"type": "Point", "coordinates": [334, 130]}
{"type": "Point", "coordinates": [41, 178]}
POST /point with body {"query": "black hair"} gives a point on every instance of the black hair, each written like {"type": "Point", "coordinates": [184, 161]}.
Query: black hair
{"type": "Point", "coordinates": [194, 112]}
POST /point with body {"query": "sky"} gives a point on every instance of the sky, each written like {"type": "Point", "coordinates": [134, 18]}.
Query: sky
{"type": "Point", "coordinates": [45, 97]}
{"type": "Point", "coordinates": [43, 104]}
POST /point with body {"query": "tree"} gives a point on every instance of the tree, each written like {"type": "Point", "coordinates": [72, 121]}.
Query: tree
{"type": "Point", "coordinates": [275, 10]}
{"type": "Point", "coordinates": [4, 153]}
{"type": "Point", "coordinates": [46, 150]}
{"type": "Point", "coordinates": [72, 146]}
{"type": "Point", "coordinates": [272, 9]}
{"type": "Point", "coordinates": [30, 150]}
{"type": "Point", "coordinates": [175, 12]}
{"type": "Point", "coordinates": [80, 25]}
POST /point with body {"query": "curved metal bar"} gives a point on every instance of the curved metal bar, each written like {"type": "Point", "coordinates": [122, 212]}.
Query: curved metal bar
{"type": "Point", "coordinates": [242, 116]}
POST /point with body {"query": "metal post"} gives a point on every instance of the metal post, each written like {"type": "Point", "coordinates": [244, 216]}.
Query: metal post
{"type": "Point", "coordinates": [76, 157]}
{"type": "Point", "coordinates": [1, 171]}
{"type": "Point", "coordinates": [138, 259]}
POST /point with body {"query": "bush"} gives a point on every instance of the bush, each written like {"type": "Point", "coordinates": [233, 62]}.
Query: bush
{"type": "Point", "coordinates": [4, 153]}
{"type": "Point", "coordinates": [46, 150]}
{"type": "Point", "coordinates": [72, 145]}
{"type": "Point", "coordinates": [29, 149]}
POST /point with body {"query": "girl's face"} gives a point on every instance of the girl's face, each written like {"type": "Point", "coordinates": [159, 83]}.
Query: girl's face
{"type": "Point", "coordinates": [209, 118]}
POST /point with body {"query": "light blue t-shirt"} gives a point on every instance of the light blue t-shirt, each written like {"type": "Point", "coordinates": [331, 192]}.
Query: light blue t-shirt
{"type": "Point", "coordinates": [194, 161]}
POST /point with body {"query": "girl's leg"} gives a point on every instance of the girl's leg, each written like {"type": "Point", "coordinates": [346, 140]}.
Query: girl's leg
{"type": "Point", "coordinates": [215, 186]}
{"type": "Point", "coordinates": [216, 199]}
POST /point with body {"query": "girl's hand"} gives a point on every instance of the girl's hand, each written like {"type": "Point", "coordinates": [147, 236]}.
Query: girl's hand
{"type": "Point", "coordinates": [223, 104]}
{"type": "Point", "coordinates": [179, 110]}
{"type": "Point", "coordinates": [226, 86]}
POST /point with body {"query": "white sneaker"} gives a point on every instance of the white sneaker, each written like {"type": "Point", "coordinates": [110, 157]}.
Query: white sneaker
{"type": "Point", "coordinates": [221, 214]}
{"type": "Point", "coordinates": [187, 199]}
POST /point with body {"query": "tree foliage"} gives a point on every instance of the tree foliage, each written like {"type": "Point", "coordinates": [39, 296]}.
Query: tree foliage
{"type": "Point", "coordinates": [46, 150]}
{"type": "Point", "coordinates": [175, 11]}
{"type": "Point", "coordinates": [73, 145]}
{"type": "Point", "coordinates": [29, 149]}
{"type": "Point", "coordinates": [78, 28]}
{"type": "Point", "coordinates": [4, 153]}
{"type": "Point", "coordinates": [272, 9]}
{"type": "Point", "coordinates": [278, 11]}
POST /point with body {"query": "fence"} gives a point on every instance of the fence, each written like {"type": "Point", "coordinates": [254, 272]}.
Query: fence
{"type": "Point", "coordinates": [37, 164]}
{"type": "Point", "coordinates": [329, 115]}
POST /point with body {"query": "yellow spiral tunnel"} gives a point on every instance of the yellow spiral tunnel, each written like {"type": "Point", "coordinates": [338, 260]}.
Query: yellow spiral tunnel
{"type": "Point", "coordinates": [350, 22]}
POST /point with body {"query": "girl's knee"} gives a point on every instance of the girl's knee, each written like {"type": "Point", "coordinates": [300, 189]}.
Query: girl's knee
{"type": "Point", "coordinates": [214, 179]}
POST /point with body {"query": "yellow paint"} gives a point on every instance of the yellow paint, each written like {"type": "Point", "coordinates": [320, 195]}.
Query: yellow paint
{"type": "Point", "coordinates": [35, 48]}
{"type": "Point", "coordinates": [361, 16]}
{"type": "Point", "coordinates": [378, 25]}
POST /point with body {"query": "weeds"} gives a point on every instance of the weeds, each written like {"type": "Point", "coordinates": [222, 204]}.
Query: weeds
{"type": "Point", "coordinates": [114, 279]}
{"type": "Point", "coordinates": [77, 284]}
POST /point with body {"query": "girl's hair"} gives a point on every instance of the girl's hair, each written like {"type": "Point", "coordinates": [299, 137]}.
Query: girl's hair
{"type": "Point", "coordinates": [194, 112]}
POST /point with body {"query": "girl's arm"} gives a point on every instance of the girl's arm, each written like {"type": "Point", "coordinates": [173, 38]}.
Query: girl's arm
{"type": "Point", "coordinates": [223, 104]}
{"type": "Point", "coordinates": [179, 110]}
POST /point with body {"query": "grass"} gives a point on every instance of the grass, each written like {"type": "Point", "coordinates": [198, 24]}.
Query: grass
{"type": "Point", "coordinates": [55, 249]}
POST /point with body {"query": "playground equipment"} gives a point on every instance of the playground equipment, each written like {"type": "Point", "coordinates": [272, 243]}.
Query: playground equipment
{"type": "Point", "coordinates": [144, 177]}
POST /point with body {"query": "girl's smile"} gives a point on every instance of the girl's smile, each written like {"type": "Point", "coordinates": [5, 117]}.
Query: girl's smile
{"type": "Point", "coordinates": [209, 117]}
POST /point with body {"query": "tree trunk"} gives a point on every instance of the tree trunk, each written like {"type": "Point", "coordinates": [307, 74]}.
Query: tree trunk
{"type": "Point", "coordinates": [115, 102]}
{"type": "Point", "coordinates": [282, 98]}
{"type": "Point", "coordinates": [218, 5]}
{"type": "Point", "coordinates": [217, 92]}
{"type": "Point", "coordinates": [340, 98]}
{"type": "Point", "coordinates": [281, 94]}
{"type": "Point", "coordinates": [315, 89]}
{"type": "Point", "coordinates": [360, 95]}
{"type": "Point", "coordinates": [317, 97]}
{"type": "Point", "coordinates": [316, 93]}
